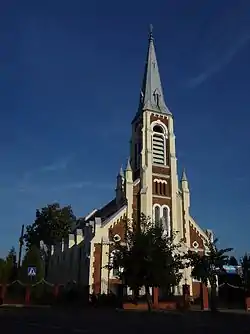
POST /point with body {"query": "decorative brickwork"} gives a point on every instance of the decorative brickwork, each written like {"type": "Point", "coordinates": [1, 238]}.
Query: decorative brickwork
{"type": "Point", "coordinates": [118, 229]}
{"type": "Point", "coordinates": [162, 201]}
{"type": "Point", "coordinates": [162, 118]}
{"type": "Point", "coordinates": [196, 240]}
{"type": "Point", "coordinates": [163, 170]}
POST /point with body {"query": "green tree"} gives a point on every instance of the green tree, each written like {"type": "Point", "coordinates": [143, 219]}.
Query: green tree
{"type": "Point", "coordinates": [32, 258]}
{"type": "Point", "coordinates": [149, 258]}
{"type": "Point", "coordinates": [232, 261]}
{"type": "Point", "coordinates": [205, 267]}
{"type": "Point", "coordinates": [2, 267]}
{"type": "Point", "coordinates": [11, 266]}
{"type": "Point", "coordinates": [52, 223]}
{"type": "Point", "coordinates": [8, 267]}
{"type": "Point", "coordinates": [245, 265]}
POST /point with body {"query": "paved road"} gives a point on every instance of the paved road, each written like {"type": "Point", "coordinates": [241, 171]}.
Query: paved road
{"type": "Point", "coordinates": [49, 321]}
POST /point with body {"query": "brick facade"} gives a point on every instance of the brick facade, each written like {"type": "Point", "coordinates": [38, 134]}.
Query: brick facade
{"type": "Point", "coordinates": [196, 240]}
{"type": "Point", "coordinates": [119, 228]}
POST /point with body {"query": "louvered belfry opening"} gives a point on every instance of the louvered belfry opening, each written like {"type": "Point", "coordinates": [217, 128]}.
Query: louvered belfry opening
{"type": "Point", "coordinates": [158, 146]}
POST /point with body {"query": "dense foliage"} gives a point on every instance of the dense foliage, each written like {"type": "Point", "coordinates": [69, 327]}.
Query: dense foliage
{"type": "Point", "coordinates": [205, 266]}
{"type": "Point", "coordinates": [149, 258]}
{"type": "Point", "coordinates": [52, 223]}
{"type": "Point", "coordinates": [8, 267]}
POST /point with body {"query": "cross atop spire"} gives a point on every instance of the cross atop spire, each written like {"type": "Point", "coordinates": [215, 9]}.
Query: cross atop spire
{"type": "Point", "coordinates": [151, 92]}
{"type": "Point", "coordinates": [151, 32]}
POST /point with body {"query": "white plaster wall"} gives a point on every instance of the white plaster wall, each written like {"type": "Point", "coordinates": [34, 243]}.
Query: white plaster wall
{"type": "Point", "coordinates": [65, 261]}
{"type": "Point", "coordinates": [146, 169]}
{"type": "Point", "coordinates": [174, 176]}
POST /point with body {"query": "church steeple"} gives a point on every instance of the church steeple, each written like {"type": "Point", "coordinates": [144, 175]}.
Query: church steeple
{"type": "Point", "coordinates": [152, 97]}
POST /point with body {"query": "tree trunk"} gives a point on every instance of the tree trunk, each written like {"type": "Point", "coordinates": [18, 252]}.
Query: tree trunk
{"type": "Point", "coordinates": [148, 298]}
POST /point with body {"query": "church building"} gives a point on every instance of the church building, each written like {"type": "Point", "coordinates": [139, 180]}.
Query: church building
{"type": "Point", "coordinates": [148, 185]}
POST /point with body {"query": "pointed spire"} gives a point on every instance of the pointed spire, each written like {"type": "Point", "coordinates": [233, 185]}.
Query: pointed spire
{"type": "Point", "coordinates": [128, 168]}
{"type": "Point", "coordinates": [152, 97]}
{"type": "Point", "coordinates": [184, 175]}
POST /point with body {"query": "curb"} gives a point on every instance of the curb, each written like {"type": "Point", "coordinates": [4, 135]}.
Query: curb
{"type": "Point", "coordinates": [23, 306]}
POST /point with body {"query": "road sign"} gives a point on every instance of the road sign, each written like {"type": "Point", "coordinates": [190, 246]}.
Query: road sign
{"type": "Point", "coordinates": [31, 271]}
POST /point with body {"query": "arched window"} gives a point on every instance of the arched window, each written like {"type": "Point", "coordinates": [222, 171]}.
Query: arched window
{"type": "Point", "coordinates": [157, 214]}
{"type": "Point", "coordinates": [164, 189]}
{"type": "Point", "coordinates": [159, 145]}
{"type": "Point", "coordinates": [162, 214]}
{"type": "Point", "coordinates": [166, 219]}
{"type": "Point", "coordinates": [160, 187]}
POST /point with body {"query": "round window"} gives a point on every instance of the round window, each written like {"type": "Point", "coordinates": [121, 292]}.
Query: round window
{"type": "Point", "coordinates": [195, 244]}
{"type": "Point", "coordinates": [116, 238]}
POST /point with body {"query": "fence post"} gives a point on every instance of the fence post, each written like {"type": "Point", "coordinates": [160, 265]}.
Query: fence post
{"type": "Point", "coordinates": [204, 297]}
{"type": "Point", "coordinates": [27, 295]}
{"type": "Point", "coordinates": [155, 298]}
{"type": "Point", "coordinates": [56, 290]}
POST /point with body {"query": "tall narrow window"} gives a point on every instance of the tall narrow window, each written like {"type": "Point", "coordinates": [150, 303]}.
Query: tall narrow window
{"type": "Point", "coordinates": [164, 189]}
{"type": "Point", "coordinates": [165, 219]}
{"type": "Point", "coordinates": [158, 145]}
{"type": "Point", "coordinates": [113, 262]}
{"type": "Point", "coordinates": [157, 214]}
{"type": "Point", "coordinates": [161, 214]}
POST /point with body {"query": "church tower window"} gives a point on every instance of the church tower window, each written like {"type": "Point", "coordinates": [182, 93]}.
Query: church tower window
{"type": "Point", "coordinates": [162, 214]}
{"type": "Point", "coordinates": [158, 145]}
{"type": "Point", "coordinates": [160, 187]}
{"type": "Point", "coordinates": [157, 214]}
{"type": "Point", "coordinates": [166, 219]}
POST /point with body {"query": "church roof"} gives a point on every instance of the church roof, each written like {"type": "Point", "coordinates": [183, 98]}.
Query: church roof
{"type": "Point", "coordinates": [152, 97]}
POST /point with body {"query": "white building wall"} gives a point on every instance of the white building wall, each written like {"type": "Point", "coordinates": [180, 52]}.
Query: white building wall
{"type": "Point", "coordinates": [67, 264]}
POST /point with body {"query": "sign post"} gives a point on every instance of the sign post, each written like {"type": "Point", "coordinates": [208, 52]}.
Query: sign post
{"type": "Point", "coordinates": [31, 273]}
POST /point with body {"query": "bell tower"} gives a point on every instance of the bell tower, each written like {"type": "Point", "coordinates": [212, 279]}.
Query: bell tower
{"type": "Point", "coordinates": [153, 155]}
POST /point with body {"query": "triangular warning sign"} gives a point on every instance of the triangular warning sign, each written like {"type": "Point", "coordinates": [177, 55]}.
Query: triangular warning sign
{"type": "Point", "coordinates": [32, 271]}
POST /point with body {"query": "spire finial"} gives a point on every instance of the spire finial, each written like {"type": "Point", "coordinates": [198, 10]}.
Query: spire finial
{"type": "Point", "coordinates": [128, 168]}
{"type": "Point", "coordinates": [151, 32]}
{"type": "Point", "coordinates": [184, 175]}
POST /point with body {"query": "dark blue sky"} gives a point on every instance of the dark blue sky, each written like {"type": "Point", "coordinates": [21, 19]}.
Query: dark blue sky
{"type": "Point", "coordinates": [70, 75]}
